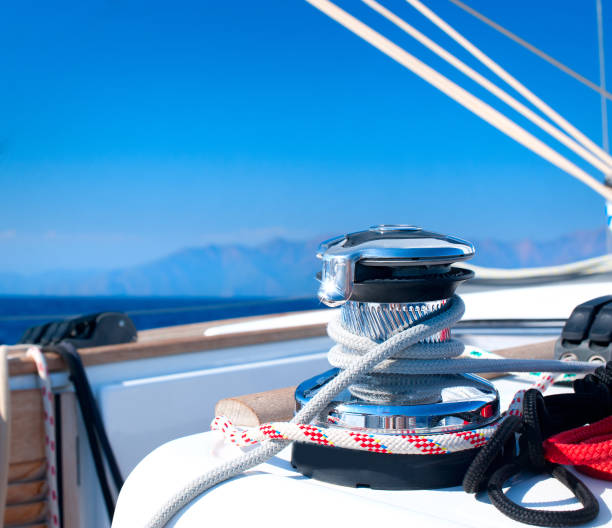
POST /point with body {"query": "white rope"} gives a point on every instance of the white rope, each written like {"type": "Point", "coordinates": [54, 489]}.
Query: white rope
{"type": "Point", "coordinates": [463, 97]}
{"type": "Point", "coordinates": [582, 268]}
{"type": "Point", "coordinates": [352, 347]}
{"type": "Point", "coordinates": [368, 359]}
{"type": "Point", "coordinates": [512, 81]}
{"type": "Point", "coordinates": [491, 87]}
{"type": "Point", "coordinates": [402, 443]}
{"type": "Point", "coordinates": [452, 313]}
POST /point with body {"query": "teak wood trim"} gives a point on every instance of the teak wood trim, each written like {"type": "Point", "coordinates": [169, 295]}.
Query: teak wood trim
{"type": "Point", "coordinates": [20, 492]}
{"type": "Point", "coordinates": [20, 514]}
{"type": "Point", "coordinates": [33, 469]}
{"type": "Point", "coordinates": [27, 450]}
{"type": "Point", "coordinates": [171, 341]}
{"type": "Point", "coordinates": [251, 410]}
{"type": "Point", "coordinates": [27, 427]}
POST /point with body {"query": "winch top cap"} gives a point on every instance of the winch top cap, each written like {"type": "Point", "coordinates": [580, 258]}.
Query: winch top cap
{"type": "Point", "coordinates": [397, 251]}
{"type": "Point", "coordinates": [409, 245]}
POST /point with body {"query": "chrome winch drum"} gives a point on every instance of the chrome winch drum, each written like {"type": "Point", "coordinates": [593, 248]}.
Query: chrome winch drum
{"type": "Point", "coordinates": [385, 280]}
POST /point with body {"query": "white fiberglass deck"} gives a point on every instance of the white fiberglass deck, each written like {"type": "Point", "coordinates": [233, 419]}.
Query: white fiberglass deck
{"type": "Point", "coordinates": [274, 493]}
{"type": "Point", "coordinates": [147, 402]}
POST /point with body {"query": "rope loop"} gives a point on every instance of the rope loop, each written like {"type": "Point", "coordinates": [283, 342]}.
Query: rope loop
{"type": "Point", "coordinates": [588, 512]}
{"type": "Point", "coordinates": [542, 445]}
{"type": "Point", "coordinates": [497, 448]}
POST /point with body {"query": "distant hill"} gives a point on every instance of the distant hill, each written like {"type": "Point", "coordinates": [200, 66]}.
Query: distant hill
{"type": "Point", "coordinates": [528, 253]}
{"type": "Point", "coordinates": [279, 268]}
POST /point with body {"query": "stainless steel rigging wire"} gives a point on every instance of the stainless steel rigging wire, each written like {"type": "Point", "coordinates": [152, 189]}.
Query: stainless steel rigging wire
{"type": "Point", "coordinates": [551, 60]}
{"type": "Point", "coordinates": [471, 102]}
{"type": "Point", "coordinates": [602, 81]}
{"type": "Point", "coordinates": [535, 118]}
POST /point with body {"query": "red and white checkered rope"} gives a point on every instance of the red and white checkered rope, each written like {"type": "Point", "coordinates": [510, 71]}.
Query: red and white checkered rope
{"type": "Point", "coordinates": [50, 446]}
{"type": "Point", "coordinates": [399, 444]}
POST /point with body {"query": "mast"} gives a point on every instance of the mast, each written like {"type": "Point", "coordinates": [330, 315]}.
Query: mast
{"type": "Point", "coordinates": [604, 117]}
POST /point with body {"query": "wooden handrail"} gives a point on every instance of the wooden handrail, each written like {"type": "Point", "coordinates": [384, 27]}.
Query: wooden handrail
{"type": "Point", "coordinates": [170, 341]}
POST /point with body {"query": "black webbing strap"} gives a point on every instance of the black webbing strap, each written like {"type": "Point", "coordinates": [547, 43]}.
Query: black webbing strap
{"type": "Point", "coordinates": [96, 434]}
{"type": "Point", "coordinates": [542, 418]}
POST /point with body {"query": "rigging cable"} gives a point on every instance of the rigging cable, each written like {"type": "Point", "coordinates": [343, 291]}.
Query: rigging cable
{"type": "Point", "coordinates": [551, 60]}
{"type": "Point", "coordinates": [512, 81]}
{"type": "Point", "coordinates": [491, 87]}
{"type": "Point", "coordinates": [462, 96]}
{"type": "Point", "coordinates": [602, 80]}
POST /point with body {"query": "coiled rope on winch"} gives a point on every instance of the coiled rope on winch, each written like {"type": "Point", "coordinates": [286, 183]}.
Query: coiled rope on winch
{"type": "Point", "coordinates": [367, 356]}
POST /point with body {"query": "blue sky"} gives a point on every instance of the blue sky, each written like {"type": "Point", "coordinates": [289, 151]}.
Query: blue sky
{"type": "Point", "coordinates": [131, 129]}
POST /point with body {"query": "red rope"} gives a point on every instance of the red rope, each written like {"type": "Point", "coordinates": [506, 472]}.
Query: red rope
{"type": "Point", "coordinates": [589, 448]}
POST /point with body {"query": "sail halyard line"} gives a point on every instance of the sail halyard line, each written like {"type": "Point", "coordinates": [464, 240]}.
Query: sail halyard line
{"type": "Point", "coordinates": [462, 96]}
{"type": "Point", "coordinates": [530, 47]}
{"type": "Point", "coordinates": [512, 81]}
{"type": "Point", "coordinates": [491, 87]}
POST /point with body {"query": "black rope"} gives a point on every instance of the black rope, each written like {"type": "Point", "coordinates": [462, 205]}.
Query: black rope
{"type": "Point", "coordinates": [480, 468]}
{"type": "Point", "coordinates": [535, 517]}
{"type": "Point", "coordinates": [503, 457]}
{"type": "Point", "coordinates": [96, 434]}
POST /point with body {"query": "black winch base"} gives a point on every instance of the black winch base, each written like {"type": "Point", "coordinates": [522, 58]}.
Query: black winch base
{"type": "Point", "coordinates": [353, 468]}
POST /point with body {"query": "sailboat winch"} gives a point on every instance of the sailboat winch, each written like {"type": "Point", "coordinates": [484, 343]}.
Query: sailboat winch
{"type": "Point", "coordinates": [388, 279]}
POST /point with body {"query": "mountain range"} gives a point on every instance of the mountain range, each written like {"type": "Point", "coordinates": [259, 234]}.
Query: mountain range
{"type": "Point", "coordinates": [278, 268]}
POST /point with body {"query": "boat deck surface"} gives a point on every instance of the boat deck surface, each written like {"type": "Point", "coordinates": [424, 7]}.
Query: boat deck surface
{"type": "Point", "coordinates": [274, 493]}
